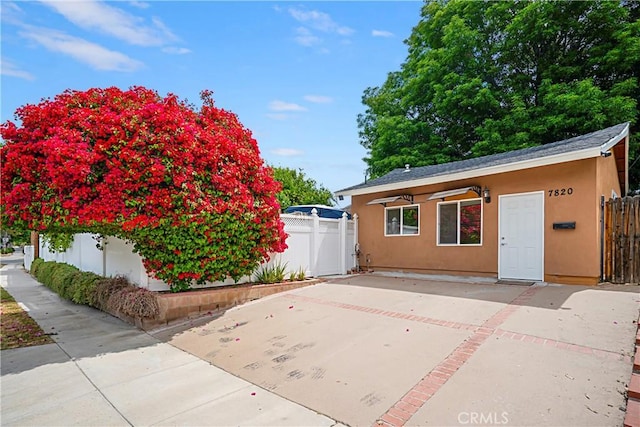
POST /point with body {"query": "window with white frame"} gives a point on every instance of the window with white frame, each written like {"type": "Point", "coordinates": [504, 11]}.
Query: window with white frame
{"type": "Point", "coordinates": [460, 222]}
{"type": "Point", "coordinates": [402, 221]}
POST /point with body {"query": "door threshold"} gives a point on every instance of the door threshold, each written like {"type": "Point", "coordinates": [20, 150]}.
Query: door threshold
{"type": "Point", "coordinates": [515, 282]}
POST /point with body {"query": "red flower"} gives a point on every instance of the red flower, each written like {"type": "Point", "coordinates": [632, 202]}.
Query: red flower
{"type": "Point", "coordinates": [187, 186]}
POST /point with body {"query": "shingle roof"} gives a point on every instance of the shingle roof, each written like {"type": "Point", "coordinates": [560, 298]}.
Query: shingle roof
{"type": "Point", "coordinates": [589, 141]}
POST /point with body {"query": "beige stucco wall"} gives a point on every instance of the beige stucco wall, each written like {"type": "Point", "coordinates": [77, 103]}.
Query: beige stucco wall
{"type": "Point", "coordinates": [570, 256]}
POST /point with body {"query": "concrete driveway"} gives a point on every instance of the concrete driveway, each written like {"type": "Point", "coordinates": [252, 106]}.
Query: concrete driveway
{"type": "Point", "coordinates": [103, 372]}
{"type": "Point", "coordinates": [371, 349]}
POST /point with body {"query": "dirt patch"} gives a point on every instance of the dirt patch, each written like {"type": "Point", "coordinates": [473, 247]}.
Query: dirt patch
{"type": "Point", "coordinates": [18, 329]}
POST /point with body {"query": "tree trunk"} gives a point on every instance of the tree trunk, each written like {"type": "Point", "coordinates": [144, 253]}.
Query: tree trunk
{"type": "Point", "coordinates": [35, 241]}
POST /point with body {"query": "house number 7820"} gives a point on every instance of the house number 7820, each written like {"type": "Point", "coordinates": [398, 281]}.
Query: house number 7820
{"type": "Point", "coordinates": [560, 192]}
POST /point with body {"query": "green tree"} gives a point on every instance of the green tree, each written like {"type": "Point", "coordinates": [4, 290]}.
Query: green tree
{"type": "Point", "coordinates": [487, 77]}
{"type": "Point", "coordinates": [18, 236]}
{"type": "Point", "coordinates": [297, 189]}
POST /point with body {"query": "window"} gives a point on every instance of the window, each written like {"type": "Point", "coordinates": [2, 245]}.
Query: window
{"type": "Point", "coordinates": [460, 222]}
{"type": "Point", "coordinates": [402, 221]}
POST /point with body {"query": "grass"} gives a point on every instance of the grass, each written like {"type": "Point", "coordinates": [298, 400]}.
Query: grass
{"type": "Point", "coordinates": [17, 329]}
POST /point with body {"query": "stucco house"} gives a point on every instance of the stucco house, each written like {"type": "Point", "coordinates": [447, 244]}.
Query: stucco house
{"type": "Point", "coordinates": [532, 214]}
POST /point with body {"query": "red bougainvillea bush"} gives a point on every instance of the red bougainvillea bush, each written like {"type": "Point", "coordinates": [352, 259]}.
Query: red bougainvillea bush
{"type": "Point", "coordinates": [186, 186]}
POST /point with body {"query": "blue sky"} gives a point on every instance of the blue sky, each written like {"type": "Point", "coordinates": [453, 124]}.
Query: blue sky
{"type": "Point", "coordinates": [293, 72]}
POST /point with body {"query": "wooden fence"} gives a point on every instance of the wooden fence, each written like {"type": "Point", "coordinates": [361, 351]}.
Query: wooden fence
{"type": "Point", "coordinates": [622, 240]}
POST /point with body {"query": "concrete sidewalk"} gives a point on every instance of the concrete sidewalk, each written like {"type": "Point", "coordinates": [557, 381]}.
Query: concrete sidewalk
{"type": "Point", "coordinates": [102, 371]}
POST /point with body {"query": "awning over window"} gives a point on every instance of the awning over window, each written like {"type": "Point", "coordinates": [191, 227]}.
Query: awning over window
{"type": "Point", "coordinates": [454, 192]}
{"type": "Point", "coordinates": [384, 200]}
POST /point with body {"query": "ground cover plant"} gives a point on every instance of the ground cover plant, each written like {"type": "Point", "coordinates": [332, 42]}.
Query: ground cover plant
{"type": "Point", "coordinates": [268, 274]}
{"type": "Point", "coordinates": [186, 186]}
{"type": "Point", "coordinates": [111, 294]}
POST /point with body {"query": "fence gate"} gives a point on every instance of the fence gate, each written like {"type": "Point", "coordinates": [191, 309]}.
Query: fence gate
{"type": "Point", "coordinates": [621, 263]}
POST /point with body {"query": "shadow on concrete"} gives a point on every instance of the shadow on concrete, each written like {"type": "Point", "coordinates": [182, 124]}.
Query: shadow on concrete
{"type": "Point", "coordinates": [79, 331]}
{"type": "Point", "coordinates": [166, 333]}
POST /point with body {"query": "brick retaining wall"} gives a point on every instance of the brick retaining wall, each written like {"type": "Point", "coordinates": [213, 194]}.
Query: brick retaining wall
{"type": "Point", "coordinates": [178, 306]}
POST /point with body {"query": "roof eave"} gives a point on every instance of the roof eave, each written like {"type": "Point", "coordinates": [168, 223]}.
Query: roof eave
{"type": "Point", "coordinates": [491, 170]}
{"type": "Point", "coordinates": [624, 134]}
{"type": "Point", "coordinates": [613, 141]}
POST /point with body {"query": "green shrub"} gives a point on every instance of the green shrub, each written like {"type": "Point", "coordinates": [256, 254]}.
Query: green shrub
{"type": "Point", "coordinates": [35, 265]}
{"type": "Point", "coordinates": [83, 287]}
{"type": "Point", "coordinates": [7, 250]}
{"type": "Point", "coordinates": [45, 272]}
{"type": "Point", "coordinates": [110, 294]}
{"type": "Point", "coordinates": [57, 276]}
{"type": "Point", "coordinates": [62, 278]}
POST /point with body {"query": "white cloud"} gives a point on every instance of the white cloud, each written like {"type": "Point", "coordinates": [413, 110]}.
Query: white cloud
{"type": "Point", "coordinates": [176, 50]}
{"type": "Point", "coordinates": [164, 29]}
{"type": "Point", "coordinates": [11, 5]}
{"type": "Point", "coordinates": [8, 6]}
{"type": "Point", "coordinates": [381, 33]}
{"type": "Point", "coordinates": [345, 31]}
{"type": "Point", "coordinates": [318, 99]}
{"type": "Point", "coordinates": [287, 152]}
{"type": "Point", "coordinates": [8, 68]}
{"type": "Point", "coordinates": [278, 116]}
{"type": "Point", "coordinates": [94, 55]}
{"type": "Point", "coordinates": [278, 105]}
{"type": "Point", "coordinates": [304, 37]}
{"type": "Point", "coordinates": [95, 14]}
{"type": "Point", "coordinates": [11, 13]}
{"type": "Point", "coordinates": [319, 21]}
{"type": "Point", "coordinates": [139, 4]}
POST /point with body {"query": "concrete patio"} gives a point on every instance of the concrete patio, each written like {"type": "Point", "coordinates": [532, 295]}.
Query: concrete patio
{"type": "Point", "coordinates": [379, 350]}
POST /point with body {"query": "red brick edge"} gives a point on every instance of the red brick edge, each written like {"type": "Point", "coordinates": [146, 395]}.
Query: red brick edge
{"type": "Point", "coordinates": [420, 393]}
{"type": "Point", "coordinates": [393, 314]}
{"type": "Point", "coordinates": [632, 416]}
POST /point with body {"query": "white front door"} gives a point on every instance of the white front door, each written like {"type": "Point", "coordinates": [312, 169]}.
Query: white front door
{"type": "Point", "coordinates": [521, 236]}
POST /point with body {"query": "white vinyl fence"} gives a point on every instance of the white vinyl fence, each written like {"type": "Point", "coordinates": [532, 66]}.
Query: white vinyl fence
{"type": "Point", "coordinates": [319, 246]}
{"type": "Point", "coordinates": [28, 256]}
